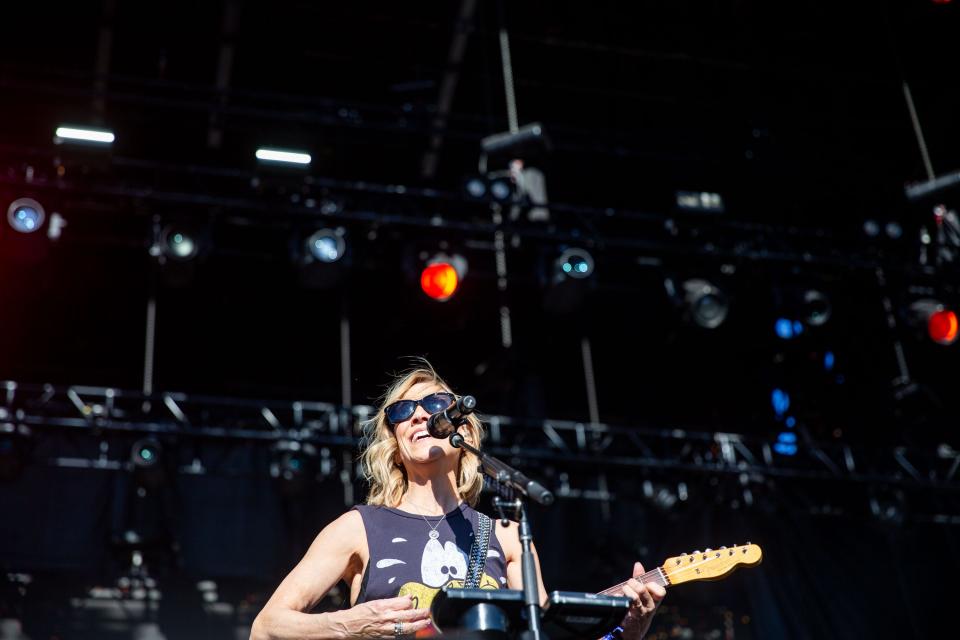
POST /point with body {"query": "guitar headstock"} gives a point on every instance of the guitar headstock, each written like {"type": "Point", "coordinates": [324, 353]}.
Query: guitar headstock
{"type": "Point", "coordinates": [711, 564]}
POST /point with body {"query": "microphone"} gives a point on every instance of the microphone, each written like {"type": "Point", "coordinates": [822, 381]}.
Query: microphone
{"type": "Point", "coordinates": [441, 425]}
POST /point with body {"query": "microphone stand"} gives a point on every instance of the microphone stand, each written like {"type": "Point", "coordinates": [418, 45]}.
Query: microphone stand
{"type": "Point", "coordinates": [506, 475]}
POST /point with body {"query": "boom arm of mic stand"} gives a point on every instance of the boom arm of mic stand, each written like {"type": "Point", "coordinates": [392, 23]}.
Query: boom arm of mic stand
{"type": "Point", "coordinates": [502, 472]}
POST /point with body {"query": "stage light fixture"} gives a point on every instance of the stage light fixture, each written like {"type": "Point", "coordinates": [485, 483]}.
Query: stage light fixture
{"type": "Point", "coordinates": [179, 243]}
{"type": "Point", "coordinates": [701, 201]}
{"type": "Point", "coordinates": [780, 400]}
{"type": "Point", "coordinates": [501, 189]}
{"type": "Point", "coordinates": [816, 308]}
{"type": "Point", "coordinates": [829, 361]}
{"type": "Point", "coordinates": [528, 141]}
{"type": "Point", "coordinates": [321, 257]}
{"type": "Point", "coordinates": [705, 303]}
{"type": "Point", "coordinates": [475, 188]}
{"type": "Point", "coordinates": [574, 263]}
{"type": "Point", "coordinates": [569, 280]}
{"type": "Point", "coordinates": [940, 322]}
{"type": "Point", "coordinates": [146, 453]}
{"type": "Point", "coordinates": [83, 135]}
{"type": "Point", "coordinates": [326, 245]}
{"type": "Point", "coordinates": [787, 329]}
{"type": "Point", "coordinates": [496, 186]}
{"type": "Point", "coordinates": [26, 215]}
{"type": "Point", "coordinates": [283, 156]}
{"type": "Point", "coordinates": [942, 326]}
{"type": "Point", "coordinates": [442, 275]}
{"type": "Point", "coordinates": [147, 460]}
{"type": "Point", "coordinates": [786, 444]}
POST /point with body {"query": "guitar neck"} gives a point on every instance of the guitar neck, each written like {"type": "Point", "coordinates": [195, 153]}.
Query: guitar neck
{"type": "Point", "coordinates": [655, 575]}
{"type": "Point", "coordinates": [711, 564]}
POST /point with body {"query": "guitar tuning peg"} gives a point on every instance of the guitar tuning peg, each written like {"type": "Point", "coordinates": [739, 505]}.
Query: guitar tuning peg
{"type": "Point", "coordinates": [696, 552]}
{"type": "Point", "coordinates": [707, 550]}
{"type": "Point", "coordinates": [748, 543]}
{"type": "Point", "coordinates": [723, 547]}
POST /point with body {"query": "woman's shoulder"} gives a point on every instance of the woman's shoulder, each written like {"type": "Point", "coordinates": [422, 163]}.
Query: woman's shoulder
{"type": "Point", "coordinates": [347, 529]}
{"type": "Point", "coordinates": [509, 537]}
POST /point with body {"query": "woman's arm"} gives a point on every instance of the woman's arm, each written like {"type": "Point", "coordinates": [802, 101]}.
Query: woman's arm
{"type": "Point", "coordinates": [509, 538]}
{"type": "Point", "coordinates": [340, 547]}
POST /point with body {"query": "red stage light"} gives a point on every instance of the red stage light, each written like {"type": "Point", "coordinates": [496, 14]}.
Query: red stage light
{"type": "Point", "coordinates": [439, 280]}
{"type": "Point", "coordinates": [942, 326]}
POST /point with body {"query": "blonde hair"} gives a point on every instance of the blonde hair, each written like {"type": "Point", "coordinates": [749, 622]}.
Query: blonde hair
{"type": "Point", "coordinates": [381, 469]}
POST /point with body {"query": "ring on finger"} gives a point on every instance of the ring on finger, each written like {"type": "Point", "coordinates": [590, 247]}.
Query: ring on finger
{"type": "Point", "coordinates": [398, 629]}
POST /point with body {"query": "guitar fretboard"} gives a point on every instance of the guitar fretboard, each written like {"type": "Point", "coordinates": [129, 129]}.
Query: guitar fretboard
{"type": "Point", "coordinates": [655, 575]}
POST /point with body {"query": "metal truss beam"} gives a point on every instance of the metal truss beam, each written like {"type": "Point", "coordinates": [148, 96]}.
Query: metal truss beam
{"type": "Point", "coordinates": [103, 411]}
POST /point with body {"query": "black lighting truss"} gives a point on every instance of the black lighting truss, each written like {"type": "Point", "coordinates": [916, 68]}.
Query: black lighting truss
{"type": "Point", "coordinates": [578, 460]}
{"type": "Point", "coordinates": [127, 186]}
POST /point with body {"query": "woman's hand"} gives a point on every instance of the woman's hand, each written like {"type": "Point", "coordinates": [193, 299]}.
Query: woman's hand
{"type": "Point", "coordinates": [646, 597]}
{"type": "Point", "coordinates": [379, 618]}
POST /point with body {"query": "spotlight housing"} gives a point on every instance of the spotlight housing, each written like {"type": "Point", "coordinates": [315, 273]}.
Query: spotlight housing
{"type": "Point", "coordinates": [26, 215]}
{"type": "Point", "coordinates": [569, 279]}
{"type": "Point", "coordinates": [940, 323]}
{"type": "Point", "coordinates": [179, 243]}
{"type": "Point", "coordinates": [321, 257]}
{"type": "Point", "coordinates": [146, 453]}
{"type": "Point", "coordinates": [326, 246]}
{"type": "Point", "coordinates": [148, 462]}
{"type": "Point", "coordinates": [502, 189]}
{"type": "Point", "coordinates": [475, 188]}
{"type": "Point", "coordinates": [816, 308]}
{"type": "Point", "coordinates": [574, 263]}
{"type": "Point", "coordinates": [706, 305]}
{"type": "Point", "coordinates": [442, 275]}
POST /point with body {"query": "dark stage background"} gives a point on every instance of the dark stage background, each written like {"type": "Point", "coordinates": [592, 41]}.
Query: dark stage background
{"type": "Point", "coordinates": [834, 449]}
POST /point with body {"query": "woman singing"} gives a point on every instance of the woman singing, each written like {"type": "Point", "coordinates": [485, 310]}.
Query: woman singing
{"type": "Point", "coordinates": [412, 537]}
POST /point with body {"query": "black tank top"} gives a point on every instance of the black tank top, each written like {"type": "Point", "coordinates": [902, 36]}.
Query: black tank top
{"type": "Point", "coordinates": [405, 560]}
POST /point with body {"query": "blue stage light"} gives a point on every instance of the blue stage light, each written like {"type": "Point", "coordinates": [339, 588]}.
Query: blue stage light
{"type": "Point", "coordinates": [784, 328]}
{"type": "Point", "coordinates": [780, 400]}
{"type": "Point", "coordinates": [785, 449]}
{"type": "Point", "coordinates": [787, 437]}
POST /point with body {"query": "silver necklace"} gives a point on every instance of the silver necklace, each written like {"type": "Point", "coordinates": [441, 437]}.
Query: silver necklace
{"type": "Point", "coordinates": [433, 527]}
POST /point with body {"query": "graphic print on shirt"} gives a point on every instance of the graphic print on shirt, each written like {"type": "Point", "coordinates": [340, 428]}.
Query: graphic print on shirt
{"type": "Point", "coordinates": [440, 565]}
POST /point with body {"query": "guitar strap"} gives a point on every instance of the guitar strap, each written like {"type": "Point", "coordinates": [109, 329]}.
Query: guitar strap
{"type": "Point", "coordinates": [478, 552]}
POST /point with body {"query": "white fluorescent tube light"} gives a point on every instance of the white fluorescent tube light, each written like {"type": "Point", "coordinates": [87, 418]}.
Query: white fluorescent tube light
{"type": "Point", "coordinates": [278, 155]}
{"type": "Point", "coordinates": [85, 135]}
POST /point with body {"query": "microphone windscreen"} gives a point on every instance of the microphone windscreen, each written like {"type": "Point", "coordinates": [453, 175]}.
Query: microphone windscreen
{"type": "Point", "coordinates": [439, 426]}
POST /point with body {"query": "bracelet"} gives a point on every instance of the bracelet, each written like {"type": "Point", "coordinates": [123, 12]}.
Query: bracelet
{"type": "Point", "coordinates": [615, 634]}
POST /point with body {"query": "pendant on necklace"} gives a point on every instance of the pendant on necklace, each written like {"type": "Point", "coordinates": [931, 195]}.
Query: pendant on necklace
{"type": "Point", "coordinates": [433, 535]}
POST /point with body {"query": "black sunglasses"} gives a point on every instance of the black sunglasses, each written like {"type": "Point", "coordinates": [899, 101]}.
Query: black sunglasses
{"type": "Point", "coordinates": [403, 409]}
